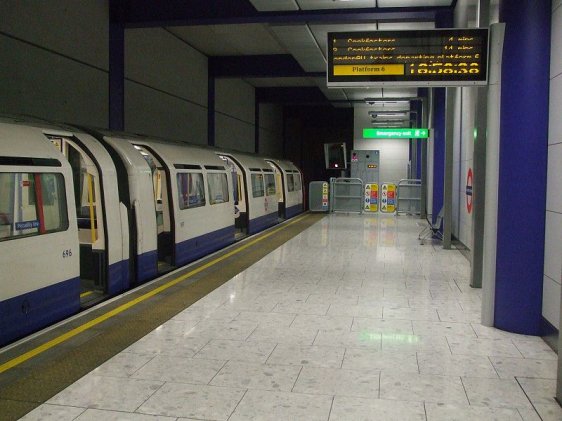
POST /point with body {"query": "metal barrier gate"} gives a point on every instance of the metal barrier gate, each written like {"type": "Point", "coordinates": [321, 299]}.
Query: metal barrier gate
{"type": "Point", "coordinates": [346, 195]}
{"type": "Point", "coordinates": [409, 197]}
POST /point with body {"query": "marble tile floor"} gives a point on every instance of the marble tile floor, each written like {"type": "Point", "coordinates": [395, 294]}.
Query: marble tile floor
{"type": "Point", "coordinates": [351, 320]}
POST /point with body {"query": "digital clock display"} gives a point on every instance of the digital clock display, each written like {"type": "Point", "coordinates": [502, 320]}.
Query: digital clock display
{"type": "Point", "coordinates": [441, 57]}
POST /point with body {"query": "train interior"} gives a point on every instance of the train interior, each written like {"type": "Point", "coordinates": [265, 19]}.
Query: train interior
{"type": "Point", "coordinates": [280, 183]}
{"type": "Point", "coordinates": [89, 215]}
{"type": "Point", "coordinates": [160, 183]}
{"type": "Point", "coordinates": [240, 193]}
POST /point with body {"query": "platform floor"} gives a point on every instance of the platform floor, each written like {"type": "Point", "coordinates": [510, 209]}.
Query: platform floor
{"type": "Point", "coordinates": [352, 319]}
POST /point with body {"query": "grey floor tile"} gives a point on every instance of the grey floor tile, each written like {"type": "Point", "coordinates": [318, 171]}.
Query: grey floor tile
{"type": "Point", "coordinates": [111, 393]}
{"type": "Point", "coordinates": [360, 409]}
{"type": "Point", "coordinates": [339, 382]}
{"type": "Point", "coordinates": [422, 388]}
{"type": "Point", "coordinates": [193, 401]}
{"type": "Point", "coordinates": [275, 406]}
{"type": "Point", "coordinates": [495, 393]}
{"type": "Point", "coordinates": [257, 376]}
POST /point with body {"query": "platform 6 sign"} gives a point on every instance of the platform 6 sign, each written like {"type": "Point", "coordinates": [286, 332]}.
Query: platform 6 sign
{"type": "Point", "coordinates": [440, 57]}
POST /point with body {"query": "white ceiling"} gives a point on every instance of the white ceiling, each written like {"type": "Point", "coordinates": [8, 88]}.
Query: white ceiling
{"type": "Point", "coordinates": [307, 43]}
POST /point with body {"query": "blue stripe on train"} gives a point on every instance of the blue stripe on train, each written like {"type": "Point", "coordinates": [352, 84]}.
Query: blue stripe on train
{"type": "Point", "coordinates": [293, 210]}
{"type": "Point", "coordinates": [261, 223]}
{"type": "Point", "coordinates": [27, 313]}
{"type": "Point", "coordinates": [147, 266]}
{"type": "Point", "coordinates": [195, 248]}
{"type": "Point", "coordinates": [118, 277]}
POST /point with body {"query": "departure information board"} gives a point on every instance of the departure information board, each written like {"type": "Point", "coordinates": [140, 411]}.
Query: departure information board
{"type": "Point", "coordinates": [440, 57]}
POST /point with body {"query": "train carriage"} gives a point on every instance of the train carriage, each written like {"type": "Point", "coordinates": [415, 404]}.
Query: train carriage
{"type": "Point", "coordinates": [290, 193]}
{"type": "Point", "coordinates": [257, 197]}
{"type": "Point", "coordinates": [88, 214]}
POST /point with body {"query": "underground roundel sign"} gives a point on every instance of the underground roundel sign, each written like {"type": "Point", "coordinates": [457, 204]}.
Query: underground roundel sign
{"type": "Point", "coordinates": [469, 191]}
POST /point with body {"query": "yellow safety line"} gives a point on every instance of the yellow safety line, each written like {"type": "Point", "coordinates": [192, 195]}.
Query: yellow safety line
{"type": "Point", "coordinates": [85, 294]}
{"type": "Point", "coordinates": [70, 334]}
{"type": "Point", "coordinates": [91, 200]}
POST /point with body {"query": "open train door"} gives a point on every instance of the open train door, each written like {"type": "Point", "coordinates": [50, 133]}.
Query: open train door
{"type": "Point", "coordinates": [240, 192]}
{"type": "Point", "coordinates": [280, 182]}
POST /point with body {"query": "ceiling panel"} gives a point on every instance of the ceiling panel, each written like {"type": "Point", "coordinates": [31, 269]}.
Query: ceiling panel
{"type": "Point", "coordinates": [413, 3]}
{"type": "Point", "coordinates": [280, 82]}
{"type": "Point", "coordinates": [405, 26]}
{"type": "Point", "coordinates": [230, 40]}
{"type": "Point", "coordinates": [272, 5]}
{"type": "Point", "coordinates": [334, 4]}
{"type": "Point", "coordinates": [300, 42]}
{"type": "Point", "coordinates": [330, 93]}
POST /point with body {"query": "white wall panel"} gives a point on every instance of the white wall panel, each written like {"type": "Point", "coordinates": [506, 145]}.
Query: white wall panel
{"type": "Point", "coordinates": [554, 181]}
{"type": "Point", "coordinates": [555, 100]}
{"type": "Point", "coordinates": [551, 302]}
{"type": "Point", "coordinates": [234, 134]}
{"type": "Point", "coordinates": [78, 29]}
{"type": "Point", "coordinates": [556, 36]}
{"type": "Point", "coordinates": [37, 82]}
{"type": "Point", "coordinates": [553, 246]}
{"type": "Point", "coordinates": [160, 60]}
{"type": "Point", "coordinates": [394, 156]}
{"type": "Point", "coordinates": [553, 229]}
{"type": "Point", "coordinates": [236, 98]}
{"type": "Point", "coordinates": [151, 112]}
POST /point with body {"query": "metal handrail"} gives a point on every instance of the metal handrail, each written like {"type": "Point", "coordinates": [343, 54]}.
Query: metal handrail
{"type": "Point", "coordinates": [413, 202]}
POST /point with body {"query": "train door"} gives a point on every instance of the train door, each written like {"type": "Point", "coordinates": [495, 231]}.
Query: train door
{"type": "Point", "coordinates": [163, 213]}
{"type": "Point", "coordinates": [240, 196]}
{"type": "Point", "coordinates": [280, 183]}
{"type": "Point", "coordinates": [90, 217]}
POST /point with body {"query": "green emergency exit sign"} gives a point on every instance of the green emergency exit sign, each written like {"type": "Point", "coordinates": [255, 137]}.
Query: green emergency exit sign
{"type": "Point", "coordinates": [395, 133]}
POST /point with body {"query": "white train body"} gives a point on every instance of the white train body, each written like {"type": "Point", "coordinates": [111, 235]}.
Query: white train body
{"type": "Point", "coordinates": [84, 212]}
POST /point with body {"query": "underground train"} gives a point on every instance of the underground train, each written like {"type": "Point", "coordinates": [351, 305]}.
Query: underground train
{"type": "Point", "coordinates": [87, 214]}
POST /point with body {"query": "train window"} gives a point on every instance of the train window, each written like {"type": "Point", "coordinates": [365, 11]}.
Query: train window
{"type": "Point", "coordinates": [270, 184]}
{"type": "Point", "coordinates": [218, 188]}
{"type": "Point", "coordinates": [191, 190]}
{"type": "Point", "coordinates": [31, 204]}
{"type": "Point", "coordinates": [290, 182]}
{"type": "Point", "coordinates": [297, 182]}
{"type": "Point", "coordinates": [257, 185]}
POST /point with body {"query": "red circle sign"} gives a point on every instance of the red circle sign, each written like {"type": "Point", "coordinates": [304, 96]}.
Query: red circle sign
{"type": "Point", "coordinates": [469, 191]}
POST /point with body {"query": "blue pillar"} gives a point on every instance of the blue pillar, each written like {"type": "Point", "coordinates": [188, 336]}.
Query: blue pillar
{"type": "Point", "coordinates": [439, 106]}
{"type": "Point", "coordinates": [523, 165]}
{"type": "Point", "coordinates": [443, 19]}
{"type": "Point", "coordinates": [116, 76]}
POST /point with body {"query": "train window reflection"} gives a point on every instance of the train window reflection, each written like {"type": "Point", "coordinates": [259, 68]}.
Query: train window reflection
{"type": "Point", "coordinates": [31, 204]}
{"type": "Point", "coordinates": [191, 190]}
{"type": "Point", "coordinates": [257, 185]}
{"type": "Point", "coordinates": [218, 188]}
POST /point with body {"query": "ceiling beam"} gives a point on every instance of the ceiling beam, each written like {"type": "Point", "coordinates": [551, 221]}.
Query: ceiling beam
{"type": "Point", "coordinates": [150, 13]}
{"type": "Point", "coordinates": [288, 96]}
{"type": "Point", "coordinates": [256, 66]}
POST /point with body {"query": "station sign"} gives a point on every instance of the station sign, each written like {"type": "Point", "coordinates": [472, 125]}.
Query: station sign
{"type": "Point", "coordinates": [435, 57]}
{"type": "Point", "coordinates": [395, 133]}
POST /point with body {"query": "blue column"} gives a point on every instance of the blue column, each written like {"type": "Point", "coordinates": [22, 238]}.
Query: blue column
{"type": "Point", "coordinates": [439, 102]}
{"type": "Point", "coordinates": [443, 19]}
{"type": "Point", "coordinates": [116, 76]}
{"type": "Point", "coordinates": [523, 165]}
